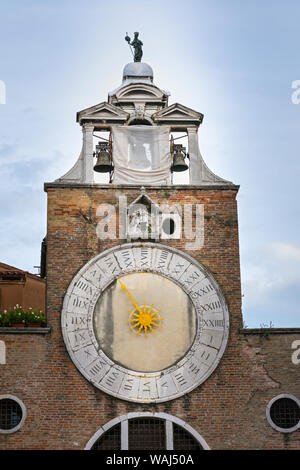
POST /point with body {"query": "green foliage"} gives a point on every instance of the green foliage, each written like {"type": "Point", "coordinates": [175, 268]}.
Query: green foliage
{"type": "Point", "coordinates": [19, 315]}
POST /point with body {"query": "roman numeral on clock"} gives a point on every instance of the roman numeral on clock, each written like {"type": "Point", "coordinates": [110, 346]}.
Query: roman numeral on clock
{"type": "Point", "coordinates": [84, 286]}
{"type": "Point", "coordinates": [79, 337]}
{"type": "Point", "coordinates": [180, 379]}
{"type": "Point", "coordinates": [128, 385]}
{"type": "Point", "coordinates": [144, 258]}
{"type": "Point", "coordinates": [162, 259]}
{"type": "Point", "coordinates": [112, 378]}
{"type": "Point", "coordinates": [126, 258]}
{"type": "Point", "coordinates": [77, 302]}
{"type": "Point", "coordinates": [146, 387]}
{"type": "Point", "coordinates": [192, 278]}
{"type": "Point", "coordinates": [202, 291]}
{"type": "Point", "coordinates": [177, 268]}
{"type": "Point", "coordinates": [213, 323]}
{"type": "Point", "coordinates": [111, 264]}
{"type": "Point", "coordinates": [210, 306]}
{"type": "Point", "coordinates": [78, 321]}
{"type": "Point", "coordinates": [194, 368]}
{"type": "Point", "coordinates": [97, 368]}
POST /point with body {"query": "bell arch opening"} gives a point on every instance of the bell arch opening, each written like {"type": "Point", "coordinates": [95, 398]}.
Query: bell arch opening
{"type": "Point", "coordinates": [140, 122]}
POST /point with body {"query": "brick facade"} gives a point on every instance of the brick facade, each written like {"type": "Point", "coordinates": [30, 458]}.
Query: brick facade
{"type": "Point", "coordinates": [228, 410]}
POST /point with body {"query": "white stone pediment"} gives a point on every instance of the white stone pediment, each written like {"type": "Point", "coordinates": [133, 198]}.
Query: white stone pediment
{"type": "Point", "coordinates": [139, 92]}
{"type": "Point", "coordinates": [177, 112]}
{"type": "Point", "coordinates": [102, 111]}
{"type": "Point", "coordinates": [143, 198]}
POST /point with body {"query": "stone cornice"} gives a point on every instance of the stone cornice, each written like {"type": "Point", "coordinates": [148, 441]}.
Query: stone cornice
{"type": "Point", "coordinates": [15, 331]}
{"type": "Point", "coordinates": [269, 331]}
{"type": "Point", "coordinates": [177, 187]}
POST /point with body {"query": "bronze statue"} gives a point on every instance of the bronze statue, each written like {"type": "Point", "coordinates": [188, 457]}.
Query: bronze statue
{"type": "Point", "coordinates": [137, 45]}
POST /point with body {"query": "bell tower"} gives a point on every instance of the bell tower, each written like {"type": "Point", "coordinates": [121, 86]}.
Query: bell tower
{"type": "Point", "coordinates": [143, 275]}
{"type": "Point", "coordinates": [143, 348]}
{"type": "Point", "coordinates": [141, 147]}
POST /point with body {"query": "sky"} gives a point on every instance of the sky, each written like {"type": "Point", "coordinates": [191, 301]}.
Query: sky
{"type": "Point", "coordinates": [234, 61]}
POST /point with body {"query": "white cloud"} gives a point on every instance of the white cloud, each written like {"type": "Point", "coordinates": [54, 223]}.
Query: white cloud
{"type": "Point", "coordinates": [271, 284]}
{"type": "Point", "coordinates": [286, 252]}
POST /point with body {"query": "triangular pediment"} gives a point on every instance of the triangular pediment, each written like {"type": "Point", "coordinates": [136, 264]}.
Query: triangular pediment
{"type": "Point", "coordinates": [145, 200]}
{"type": "Point", "coordinates": [177, 112]}
{"type": "Point", "coordinates": [102, 111]}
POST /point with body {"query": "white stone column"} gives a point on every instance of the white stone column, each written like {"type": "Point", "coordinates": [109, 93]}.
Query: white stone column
{"type": "Point", "coordinates": [2, 353]}
{"type": "Point", "coordinates": [195, 164]}
{"type": "Point", "coordinates": [124, 434]}
{"type": "Point", "coordinates": [87, 157]}
{"type": "Point", "coordinates": [169, 435]}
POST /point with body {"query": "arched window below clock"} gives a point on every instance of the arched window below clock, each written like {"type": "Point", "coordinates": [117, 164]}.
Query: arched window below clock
{"type": "Point", "coordinates": [146, 431]}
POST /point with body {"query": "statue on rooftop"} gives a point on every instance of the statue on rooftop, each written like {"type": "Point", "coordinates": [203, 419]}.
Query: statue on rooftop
{"type": "Point", "coordinates": [137, 45]}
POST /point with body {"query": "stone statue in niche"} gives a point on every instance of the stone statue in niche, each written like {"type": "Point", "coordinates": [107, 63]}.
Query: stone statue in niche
{"type": "Point", "coordinates": [143, 218]}
{"type": "Point", "coordinates": [139, 110]}
{"type": "Point", "coordinates": [137, 46]}
{"type": "Point", "coordinates": [139, 223]}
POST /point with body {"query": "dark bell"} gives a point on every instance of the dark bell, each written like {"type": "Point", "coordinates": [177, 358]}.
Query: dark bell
{"type": "Point", "coordinates": [178, 159]}
{"type": "Point", "coordinates": [104, 163]}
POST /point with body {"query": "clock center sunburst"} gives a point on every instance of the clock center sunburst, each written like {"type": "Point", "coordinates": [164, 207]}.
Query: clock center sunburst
{"type": "Point", "coordinates": [145, 319]}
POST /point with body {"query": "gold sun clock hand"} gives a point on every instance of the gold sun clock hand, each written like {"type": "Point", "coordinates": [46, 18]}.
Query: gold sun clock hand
{"type": "Point", "coordinates": [130, 296]}
{"type": "Point", "coordinates": [145, 318]}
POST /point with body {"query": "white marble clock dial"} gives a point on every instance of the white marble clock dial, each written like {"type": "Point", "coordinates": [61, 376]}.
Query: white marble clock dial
{"type": "Point", "coordinates": [145, 322]}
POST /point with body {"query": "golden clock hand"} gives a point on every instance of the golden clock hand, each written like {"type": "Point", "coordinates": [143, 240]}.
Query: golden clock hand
{"type": "Point", "coordinates": [144, 319]}
{"type": "Point", "coordinates": [130, 296]}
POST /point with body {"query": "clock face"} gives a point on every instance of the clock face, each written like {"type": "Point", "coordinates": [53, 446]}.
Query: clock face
{"type": "Point", "coordinates": [136, 339]}
{"type": "Point", "coordinates": [145, 322]}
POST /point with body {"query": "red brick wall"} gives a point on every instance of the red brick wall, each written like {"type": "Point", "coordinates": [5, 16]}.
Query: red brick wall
{"type": "Point", "coordinates": [64, 410]}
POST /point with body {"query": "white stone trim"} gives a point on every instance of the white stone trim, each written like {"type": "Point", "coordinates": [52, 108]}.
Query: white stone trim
{"type": "Point", "coordinates": [87, 154]}
{"type": "Point", "coordinates": [169, 435]}
{"type": "Point", "coordinates": [24, 413]}
{"type": "Point", "coordinates": [268, 416]}
{"type": "Point", "coordinates": [124, 434]}
{"type": "Point", "coordinates": [2, 353]}
{"type": "Point", "coordinates": [124, 429]}
{"type": "Point", "coordinates": [198, 170]}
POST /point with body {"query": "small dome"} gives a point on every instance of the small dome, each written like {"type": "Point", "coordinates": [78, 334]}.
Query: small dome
{"type": "Point", "coordinates": [137, 70]}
